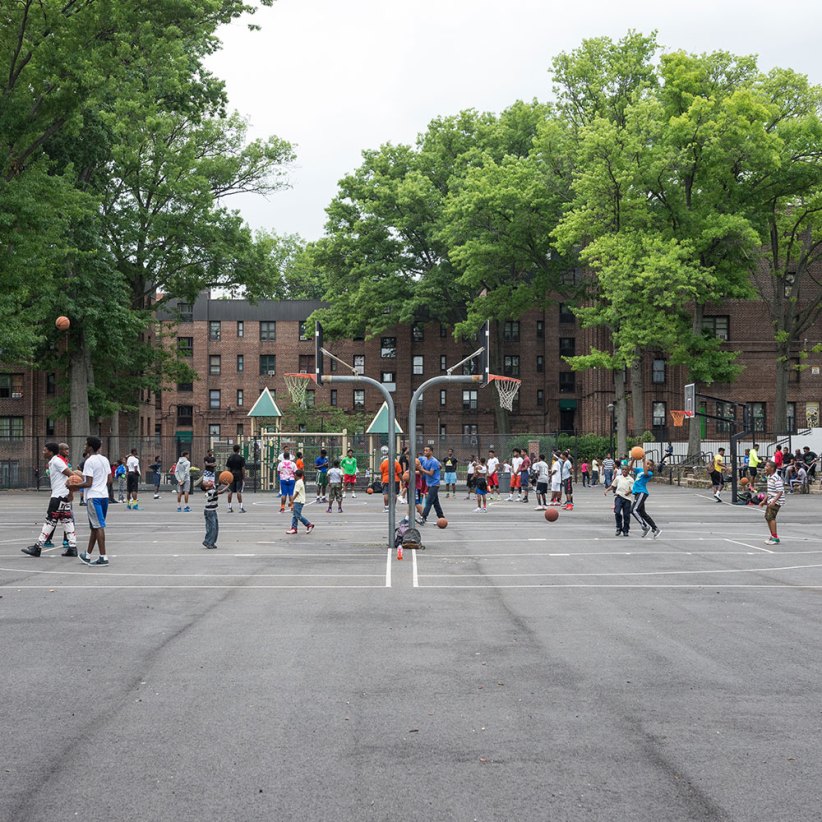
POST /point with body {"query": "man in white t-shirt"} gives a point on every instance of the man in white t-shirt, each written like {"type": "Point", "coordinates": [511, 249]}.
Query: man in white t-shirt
{"type": "Point", "coordinates": [97, 474]}
{"type": "Point", "coordinates": [133, 475]}
{"type": "Point", "coordinates": [543, 474]}
{"type": "Point", "coordinates": [491, 468]}
{"type": "Point", "coordinates": [516, 462]}
{"type": "Point", "coordinates": [182, 473]}
{"type": "Point", "coordinates": [59, 509]}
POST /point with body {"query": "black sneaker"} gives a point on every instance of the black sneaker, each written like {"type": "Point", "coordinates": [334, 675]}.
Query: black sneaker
{"type": "Point", "coordinates": [618, 532]}
{"type": "Point", "coordinates": [32, 550]}
{"type": "Point", "coordinates": [69, 552]}
{"type": "Point", "coordinates": [102, 561]}
{"type": "Point", "coordinates": [84, 556]}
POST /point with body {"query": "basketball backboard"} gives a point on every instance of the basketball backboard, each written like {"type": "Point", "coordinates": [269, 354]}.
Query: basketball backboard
{"type": "Point", "coordinates": [690, 399]}
{"type": "Point", "coordinates": [318, 352]}
{"type": "Point", "coordinates": [485, 356]}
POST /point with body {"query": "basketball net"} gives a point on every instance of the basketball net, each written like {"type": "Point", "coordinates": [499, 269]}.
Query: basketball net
{"type": "Point", "coordinates": [679, 417]}
{"type": "Point", "coordinates": [507, 388]}
{"type": "Point", "coordinates": [297, 385]}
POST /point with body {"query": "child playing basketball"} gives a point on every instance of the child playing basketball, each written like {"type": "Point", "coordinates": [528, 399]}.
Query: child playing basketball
{"type": "Point", "coordinates": [335, 489]}
{"type": "Point", "coordinates": [481, 485]}
{"type": "Point", "coordinates": [774, 500]}
{"type": "Point", "coordinates": [212, 525]}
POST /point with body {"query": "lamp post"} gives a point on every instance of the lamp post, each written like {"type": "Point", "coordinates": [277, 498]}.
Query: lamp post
{"type": "Point", "coordinates": [612, 410]}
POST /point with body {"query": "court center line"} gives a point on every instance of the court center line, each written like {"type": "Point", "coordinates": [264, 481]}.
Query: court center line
{"type": "Point", "coordinates": [388, 569]}
{"type": "Point", "coordinates": [110, 573]}
{"type": "Point", "coordinates": [606, 585]}
{"type": "Point", "coordinates": [415, 577]}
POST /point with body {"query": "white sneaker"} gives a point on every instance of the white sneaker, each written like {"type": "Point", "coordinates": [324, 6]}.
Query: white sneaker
{"type": "Point", "coordinates": [477, 510]}
{"type": "Point", "coordinates": [353, 495]}
{"type": "Point", "coordinates": [509, 498]}
{"type": "Point", "coordinates": [484, 510]}
{"type": "Point", "coordinates": [539, 508]}
{"type": "Point", "coordinates": [385, 508]}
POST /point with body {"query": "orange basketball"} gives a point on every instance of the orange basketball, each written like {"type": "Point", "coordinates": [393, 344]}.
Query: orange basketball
{"type": "Point", "coordinates": [551, 514]}
{"type": "Point", "coordinates": [369, 490]}
{"type": "Point", "coordinates": [226, 477]}
{"type": "Point", "coordinates": [74, 481]}
{"type": "Point", "coordinates": [406, 477]}
{"type": "Point", "coordinates": [637, 452]}
{"type": "Point", "coordinates": [442, 522]}
{"type": "Point", "coordinates": [743, 481]}
{"type": "Point", "coordinates": [62, 323]}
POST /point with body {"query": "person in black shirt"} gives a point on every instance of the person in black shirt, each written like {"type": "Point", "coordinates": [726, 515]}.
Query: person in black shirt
{"type": "Point", "coordinates": [449, 465]}
{"type": "Point", "coordinates": [236, 464]}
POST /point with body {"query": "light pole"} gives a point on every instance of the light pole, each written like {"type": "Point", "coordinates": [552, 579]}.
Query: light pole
{"type": "Point", "coordinates": [612, 410]}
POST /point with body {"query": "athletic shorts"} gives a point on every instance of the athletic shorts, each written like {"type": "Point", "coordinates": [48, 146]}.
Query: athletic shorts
{"type": "Point", "coordinates": [386, 485]}
{"type": "Point", "coordinates": [716, 478]}
{"type": "Point", "coordinates": [771, 511]}
{"type": "Point", "coordinates": [334, 492]}
{"type": "Point", "coordinates": [469, 481]}
{"type": "Point", "coordinates": [97, 508]}
{"type": "Point", "coordinates": [493, 480]}
{"type": "Point", "coordinates": [569, 486]}
{"type": "Point", "coordinates": [450, 477]}
{"type": "Point", "coordinates": [349, 479]}
{"type": "Point", "coordinates": [287, 488]}
{"type": "Point", "coordinates": [322, 479]}
{"type": "Point", "coordinates": [132, 482]}
{"type": "Point", "coordinates": [524, 479]}
{"type": "Point", "coordinates": [542, 487]}
{"type": "Point", "coordinates": [236, 486]}
{"type": "Point", "coordinates": [59, 509]}
{"type": "Point", "coordinates": [515, 482]}
{"type": "Point", "coordinates": [185, 486]}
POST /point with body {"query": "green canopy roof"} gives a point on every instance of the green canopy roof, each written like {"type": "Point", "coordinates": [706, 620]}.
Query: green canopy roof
{"type": "Point", "coordinates": [379, 425]}
{"type": "Point", "coordinates": [265, 406]}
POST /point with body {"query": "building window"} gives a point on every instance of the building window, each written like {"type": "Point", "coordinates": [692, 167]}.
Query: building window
{"type": "Point", "coordinates": [417, 332]}
{"type": "Point", "coordinates": [185, 346]}
{"type": "Point", "coordinates": [469, 399]}
{"type": "Point", "coordinates": [716, 327]}
{"type": "Point", "coordinates": [569, 277]}
{"type": "Point", "coordinates": [214, 430]}
{"type": "Point", "coordinates": [443, 432]}
{"type": "Point", "coordinates": [510, 331]}
{"type": "Point", "coordinates": [268, 365]}
{"type": "Point", "coordinates": [51, 384]}
{"type": "Point", "coordinates": [306, 362]}
{"type": "Point", "coordinates": [11, 386]}
{"type": "Point", "coordinates": [443, 362]}
{"type": "Point", "coordinates": [565, 313]}
{"type": "Point", "coordinates": [540, 364]}
{"type": "Point", "coordinates": [359, 399]}
{"type": "Point", "coordinates": [443, 398]}
{"type": "Point", "coordinates": [185, 387]}
{"type": "Point", "coordinates": [359, 364]}
{"type": "Point", "coordinates": [389, 380]}
{"type": "Point", "coordinates": [420, 434]}
{"type": "Point", "coordinates": [540, 329]}
{"type": "Point", "coordinates": [303, 332]}
{"type": "Point", "coordinates": [185, 415]}
{"type": "Point", "coordinates": [214, 365]}
{"type": "Point", "coordinates": [240, 429]}
{"type": "Point", "coordinates": [658, 372]}
{"type": "Point", "coordinates": [443, 330]}
{"type": "Point", "coordinates": [388, 347]}
{"type": "Point", "coordinates": [758, 416]}
{"type": "Point", "coordinates": [268, 331]}
{"type": "Point", "coordinates": [240, 398]}
{"type": "Point", "coordinates": [214, 332]}
{"type": "Point", "coordinates": [51, 426]}
{"type": "Point", "coordinates": [567, 382]}
{"type": "Point", "coordinates": [240, 328]}
{"type": "Point", "coordinates": [333, 399]}
{"type": "Point", "coordinates": [11, 428]}
{"type": "Point", "coordinates": [510, 365]}
{"type": "Point", "coordinates": [240, 363]}
{"type": "Point", "coordinates": [417, 365]}
{"type": "Point", "coordinates": [214, 398]}
{"type": "Point", "coordinates": [658, 414]}
{"type": "Point", "coordinates": [567, 346]}
{"type": "Point", "coordinates": [540, 398]}
{"type": "Point", "coordinates": [726, 411]}
{"type": "Point", "coordinates": [791, 418]}
{"type": "Point", "coordinates": [185, 311]}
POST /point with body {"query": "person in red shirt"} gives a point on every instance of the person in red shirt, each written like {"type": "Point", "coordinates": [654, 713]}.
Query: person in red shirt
{"type": "Point", "coordinates": [384, 478]}
{"type": "Point", "coordinates": [777, 460]}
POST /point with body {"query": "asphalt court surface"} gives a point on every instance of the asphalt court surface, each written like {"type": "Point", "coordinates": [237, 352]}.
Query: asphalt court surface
{"type": "Point", "coordinates": [514, 669]}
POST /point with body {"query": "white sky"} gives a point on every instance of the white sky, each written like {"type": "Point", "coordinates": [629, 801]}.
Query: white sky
{"type": "Point", "coordinates": [334, 77]}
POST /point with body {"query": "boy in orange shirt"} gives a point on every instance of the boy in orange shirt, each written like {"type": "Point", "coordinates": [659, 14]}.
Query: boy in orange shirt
{"type": "Point", "coordinates": [384, 478]}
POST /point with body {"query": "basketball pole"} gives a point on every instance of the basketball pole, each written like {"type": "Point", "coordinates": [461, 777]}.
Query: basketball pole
{"type": "Point", "coordinates": [412, 428]}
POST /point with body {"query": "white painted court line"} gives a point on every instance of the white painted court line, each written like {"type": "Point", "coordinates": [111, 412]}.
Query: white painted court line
{"type": "Point", "coordinates": [415, 578]}
{"type": "Point", "coordinates": [109, 573]}
{"type": "Point", "coordinates": [388, 568]}
{"type": "Point", "coordinates": [680, 586]}
{"type": "Point", "coordinates": [755, 547]}
{"type": "Point", "coordinates": [104, 587]}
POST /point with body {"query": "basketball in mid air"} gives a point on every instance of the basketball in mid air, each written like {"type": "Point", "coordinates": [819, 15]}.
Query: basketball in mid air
{"type": "Point", "coordinates": [226, 477]}
{"type": "Point", "coordinates": [551, 514]}
{"type": "Point", "coordinates": [637, 452]}
{"type": "Point", "coordinates": [62, 323]}
{"type": "Point", "coordinates": [743, 481]}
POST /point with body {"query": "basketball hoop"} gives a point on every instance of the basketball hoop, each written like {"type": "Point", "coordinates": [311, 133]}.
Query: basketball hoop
{"type": "Point", "coordinates": [679, 417]}
{"type": "Point", "coordinates": [507, 388]}
{"type": "Point", "coordinates": [297, 385]}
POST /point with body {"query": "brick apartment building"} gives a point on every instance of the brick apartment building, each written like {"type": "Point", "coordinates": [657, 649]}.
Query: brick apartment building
{"type": "Point", "coordinates": [238, 348]}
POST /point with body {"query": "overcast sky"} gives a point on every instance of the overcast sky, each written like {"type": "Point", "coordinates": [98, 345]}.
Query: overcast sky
{"type": "Point", "coordinates": [334, 77]}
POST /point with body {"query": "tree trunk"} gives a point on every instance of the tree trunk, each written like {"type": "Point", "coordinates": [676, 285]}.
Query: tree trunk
{"type": "Point", "coordinates": [638, 396]}
{"type": "Point", "coordinates": [620, 401]}
{"type": "Point", "coordinates": [783, 366]}
{"type": "Point", "coordinates": [114, 437]}
{"type": "Point", "coordinates": [79, 379]}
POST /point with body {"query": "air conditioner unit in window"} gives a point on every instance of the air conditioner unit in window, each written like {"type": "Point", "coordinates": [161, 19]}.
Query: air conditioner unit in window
{"type": "Point", "coordinates": [17, 395]}
{"type": "Point", "coordinates": [271, 373]}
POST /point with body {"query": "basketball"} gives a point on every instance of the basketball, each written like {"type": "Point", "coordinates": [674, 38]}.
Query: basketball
{"type": "Point", "coordinates": [743, 481]}
{"type": "Point", "coordinates": [369, 490]}
{"type": "Point", "coordinates": [406, 476]}
{"type": "Point", "coordinates": [442, 522]}
{"type": "Point", "coordinates": [75, 480]}
{"type": "Point", "coordinates": [551, 514]}
{"type": "Point", "coordinates": [62, 323]}
{"type": "Point", "coordinates": [226, 477]}
{"type": "Point", "coordinates": [637, 452]}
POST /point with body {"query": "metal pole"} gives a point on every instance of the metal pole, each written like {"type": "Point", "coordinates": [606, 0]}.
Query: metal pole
{"type": "Point", "coordinates": [392, 421]}
{"type": "Point", "coordinates": [412, 430]}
